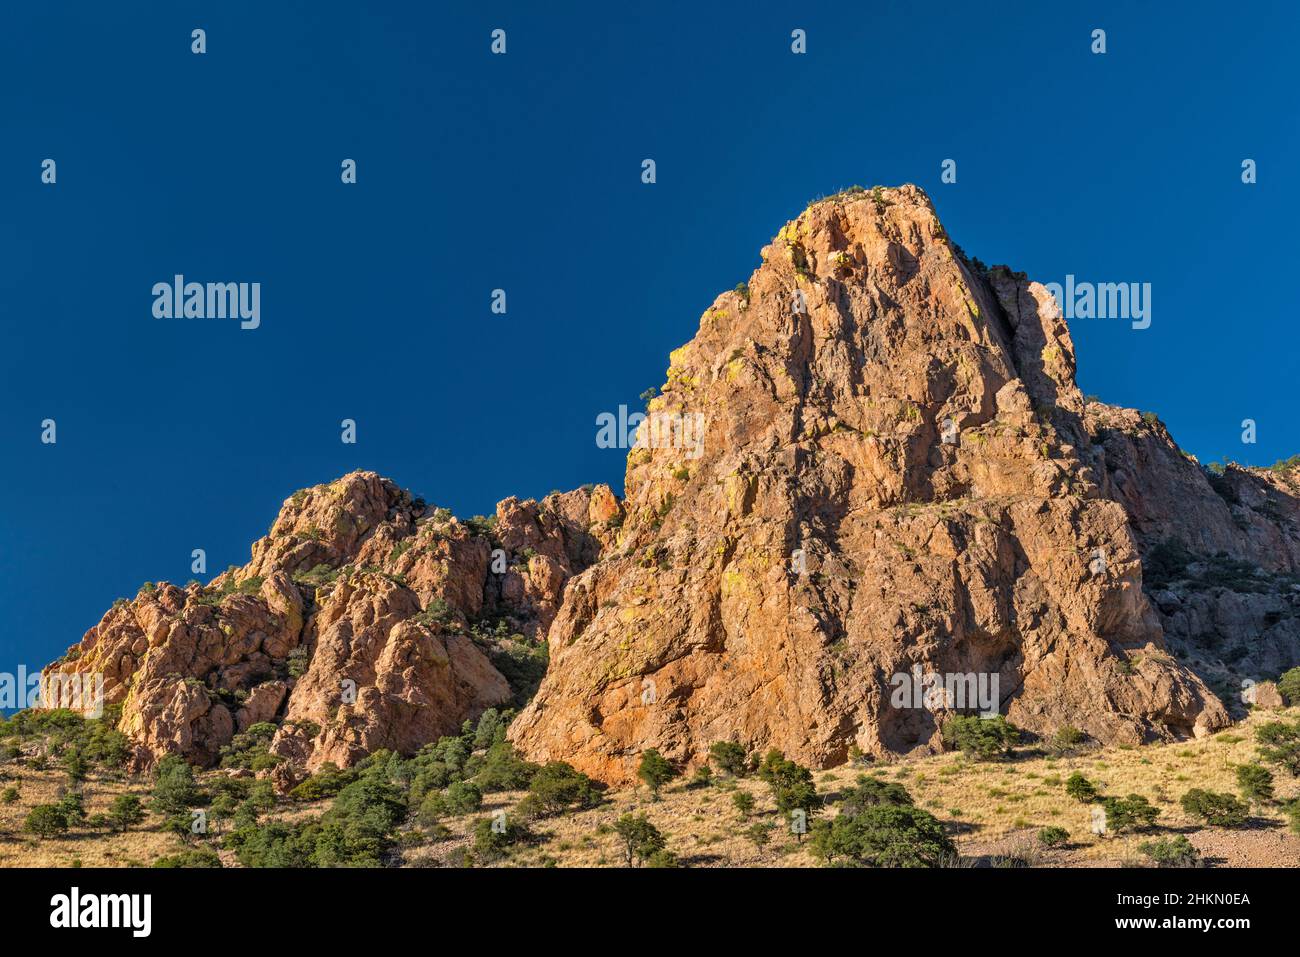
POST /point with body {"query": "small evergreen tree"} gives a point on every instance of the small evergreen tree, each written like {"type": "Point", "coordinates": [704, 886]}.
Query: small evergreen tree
{"type": "Point", "coordinates": [1218, 810]}
{"type": "Point", "coordinates": [45, 820]}
{"type": "Point", "coordinates": [463, 798]}
{"type": "Point", "coordinates": [1280, 744]}
{"type": "Point", "coordinates": [729, 757]}
{"type": "Point", "coordinates": [1132, 813]}
{"type": "Point", "coordinates": [1255, 783]}
{"type": "Point", "coordinates": [1171, 852]}
{"type": "Point", "coordinates": [655, 771]}
{"type": "Point", "coordinates": [1288, 686]}
{"type": "Point", "coordinates": [174, 789]}
{"type": "Point", "coordinates": [1080, 788]}
{"type": "Point", "coordinates": [641, 839]}
{"type": "Point", "coordinates": [493, 838]}
{"type": "Point", "coordinates": [1053, 836]}
{"type": "Point", "coordinates": [760, 833]}
{"type": "Point", "coordinates": [883, 835]}
{"type": "Point", "coordinates": [558, 786]}
{"type": "Point", "coordinates": [125, 811]}
{"type": "Point", "coordinates": [75, 764]}
{"type": "Point", "coordinates": [981, 738]}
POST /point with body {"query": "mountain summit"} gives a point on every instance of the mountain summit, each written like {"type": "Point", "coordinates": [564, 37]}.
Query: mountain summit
{"type": "Point", "coordinates": [896, 474]}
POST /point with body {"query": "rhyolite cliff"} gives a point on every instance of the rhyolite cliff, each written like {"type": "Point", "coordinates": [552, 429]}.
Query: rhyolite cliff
{"type": "Point", "coordinates": [895, 468]}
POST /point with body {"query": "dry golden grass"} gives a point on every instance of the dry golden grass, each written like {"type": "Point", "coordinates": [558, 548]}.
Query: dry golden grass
{"type": "Point", "coordinates": [139, 846]}
{"type": "Point", "coordinates": [992, 807]}
{"type": "Point", "coordinates": [995, 806]}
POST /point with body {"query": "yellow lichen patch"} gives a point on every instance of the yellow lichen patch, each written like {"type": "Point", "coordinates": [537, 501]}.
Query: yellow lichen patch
{"type": "Point", "coordinates": [679, 377]}
{"type": "Point", "coordinates": [733, 582]}
{"type": "Point", "coordinates": [638, 456]}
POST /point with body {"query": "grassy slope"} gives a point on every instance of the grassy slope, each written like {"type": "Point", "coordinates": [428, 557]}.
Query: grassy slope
{"type": "Point", "coordinates": [995, 808]}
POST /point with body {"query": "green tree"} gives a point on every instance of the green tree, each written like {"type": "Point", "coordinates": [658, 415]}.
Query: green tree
{"type": "Point", "coordinates": [74, 762]}
{"type": "Point", "coordinates": [760, 833]}
{"type": "Point", "coordinates": [432, 809]}
{"type": "Point", "coordinates": [1132, 813]}
{"type": "Point", "coordinates": [729, 757]}
{"type": "Point", "coordinates": [491, 730]}
{"type": "Point", "coordinates": [1292, 811]}
{"type": "Point", "coordinates": [221, 810]}
{"type": "Point", "coordinates": [326, 782]}
{"type": "Point", "coordinates": [883, 835]}
{"type": "Point", "coordinates": [174, 789]}
{"type": "Point", "coordinates": [1053, 836]}
{"type": "Point", "coordinates": [1255, 783]}
{"type": "Point", "coordinates": [73, 808]}
{"type": "Point", "coordinates": [1171, 852]}
{"type": "Point", "coordinates": [45, 820]}
{"type": "Point", "coordinates": [463, 798]}
{"type": "Point", "coordinates": [792, 785]}
{"type": "Point", "coordinates": [1288, 686]}
{"type": "Point", "coordinates": [981, 738]}
{"type": "Point", "coordinates": [358, 827]}
{"type": "Point", "coordinates": [1067, 739]}
{"type": "Point", "coordinates": [744, 802]}
{"type": "Point", "coordinates": [494, 836]}
{"type": "Point", "coordinates": [504, 770]}
{"type": "Point", "coordinates": [1218, 810]}
{"type": "Point", "coordinates": [655, 771]}
{"type": "Point", "coordinates": [1080, 788]}
{"type": "Point", "coordinates": [1280, 744]}
{"type": "Point", "coordinates": [871, 791]}
{"type": "Point", "coordinates": [190, 857]}
{"type": "Point", "coordinates": [559, 786]}
{"type": "Point", "coordinates": [125, 811]}
{"type": "Point", "coordinates": [641, 839]}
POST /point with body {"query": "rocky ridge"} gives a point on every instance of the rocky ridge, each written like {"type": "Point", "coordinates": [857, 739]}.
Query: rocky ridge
{"type": "Point", "coordinates": [365, 619]}
{"type": "Point", "coordinates": [872, 457]}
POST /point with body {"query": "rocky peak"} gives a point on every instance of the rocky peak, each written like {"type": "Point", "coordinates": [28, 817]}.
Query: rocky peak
{"type": "Point", "coordinates": [871, 457]}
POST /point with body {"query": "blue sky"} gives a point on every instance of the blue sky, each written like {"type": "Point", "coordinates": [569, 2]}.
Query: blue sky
{"type": "Point", "coordinates": [522, 172]}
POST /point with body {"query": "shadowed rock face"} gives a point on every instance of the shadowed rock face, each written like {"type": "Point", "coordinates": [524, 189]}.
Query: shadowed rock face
{"type": "Point", "coordinates": [1221, 551]}
{"type": "Point", "coordinates": [350, 626]}
{"type": "Point", "coordinates": [824, 537]}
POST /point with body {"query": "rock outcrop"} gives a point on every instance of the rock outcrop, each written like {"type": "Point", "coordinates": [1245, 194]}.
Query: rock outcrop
{"type": "Point", "coordinates": [364, 620]}
{"type": "Point", "coordinates": [872, 457]}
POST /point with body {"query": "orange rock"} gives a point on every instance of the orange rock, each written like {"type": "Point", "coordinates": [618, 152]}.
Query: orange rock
{"type": "Point", "coordinates": [894, 472]}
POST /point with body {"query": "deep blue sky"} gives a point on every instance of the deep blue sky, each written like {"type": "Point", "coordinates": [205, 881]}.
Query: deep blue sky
{"type": "Point", "coordinates": [523, 172]}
